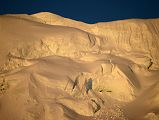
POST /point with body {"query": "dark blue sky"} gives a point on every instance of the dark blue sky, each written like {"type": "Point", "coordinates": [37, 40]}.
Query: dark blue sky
{"type": "Point", "coordinates": [89, 11]}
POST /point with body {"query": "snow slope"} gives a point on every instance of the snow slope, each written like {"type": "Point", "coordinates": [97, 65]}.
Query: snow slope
{"type": "Point", "coordinates": [55, 68]}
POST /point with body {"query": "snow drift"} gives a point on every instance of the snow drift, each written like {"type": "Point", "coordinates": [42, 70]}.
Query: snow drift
{"type": "Point", "coordinates": [54, 68]}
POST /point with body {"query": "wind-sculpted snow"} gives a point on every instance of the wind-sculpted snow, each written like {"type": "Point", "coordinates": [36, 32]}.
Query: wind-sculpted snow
{"type": "Point", "coordinates": [127, 36]}
{"type": "Point", "coordinates": [54, 68]}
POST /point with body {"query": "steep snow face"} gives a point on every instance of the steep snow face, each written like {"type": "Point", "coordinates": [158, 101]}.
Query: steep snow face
{"type": "Point", "coordinates": [128, 36]}
{"type": "Point", "coordinates": [42, 40]}
{"type": "Point", "coordinates": [56, 68]}
{"type": "Point", "coordinates": [134, 37]}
